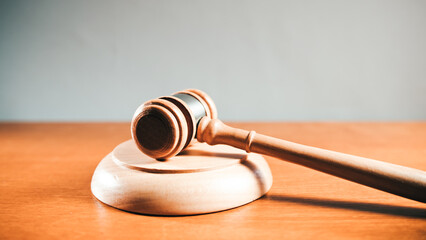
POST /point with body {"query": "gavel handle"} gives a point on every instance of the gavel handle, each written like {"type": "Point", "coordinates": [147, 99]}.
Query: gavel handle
{"type": "Point", "coordinates": [392, 178]}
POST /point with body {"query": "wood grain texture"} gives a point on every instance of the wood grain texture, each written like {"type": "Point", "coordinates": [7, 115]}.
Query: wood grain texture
{"type": "Point", "coordinates": [46, 171]}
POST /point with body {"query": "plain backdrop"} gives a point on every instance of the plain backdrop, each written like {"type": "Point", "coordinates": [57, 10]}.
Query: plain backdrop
{"type": "Point", "coordinates": [259, 60]}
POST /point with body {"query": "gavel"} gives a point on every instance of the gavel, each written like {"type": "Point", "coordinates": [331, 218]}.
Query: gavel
{"type": "Point", "coordinates": [163, 127]}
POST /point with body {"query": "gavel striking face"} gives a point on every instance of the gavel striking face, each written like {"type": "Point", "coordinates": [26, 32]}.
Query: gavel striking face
{"type": "Point", "coordinates": [163, 127]}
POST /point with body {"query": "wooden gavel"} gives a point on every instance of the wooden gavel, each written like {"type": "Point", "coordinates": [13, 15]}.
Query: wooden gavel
{"type": "Point", "coordinates": [163, 127]}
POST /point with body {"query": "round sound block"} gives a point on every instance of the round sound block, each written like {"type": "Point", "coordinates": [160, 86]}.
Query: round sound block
{"type": "Point", "coordinates": [201, 179]}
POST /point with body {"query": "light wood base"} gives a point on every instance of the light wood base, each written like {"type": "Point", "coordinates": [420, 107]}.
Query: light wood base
{"type": "Point", "coordinates": [202, 179]}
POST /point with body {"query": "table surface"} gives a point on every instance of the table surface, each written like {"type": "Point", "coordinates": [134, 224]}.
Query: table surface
{"type": "Point", "coordinates": [46, 170]}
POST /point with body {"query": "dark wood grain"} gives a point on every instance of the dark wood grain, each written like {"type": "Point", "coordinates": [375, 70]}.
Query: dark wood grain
{"type": "Point", "coordinates": [46, 171]}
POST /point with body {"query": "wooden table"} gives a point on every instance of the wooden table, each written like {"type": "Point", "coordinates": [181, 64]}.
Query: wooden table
{"type": "Point", "coordinates": [46, 171]}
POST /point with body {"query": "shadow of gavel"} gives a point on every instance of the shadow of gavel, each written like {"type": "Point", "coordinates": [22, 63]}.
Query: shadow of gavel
{"type": "Point", "coordinates": [163, 127]}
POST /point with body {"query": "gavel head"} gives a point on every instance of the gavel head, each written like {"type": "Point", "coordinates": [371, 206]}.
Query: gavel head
{"type": "Point", "coordinates": [163, 127]}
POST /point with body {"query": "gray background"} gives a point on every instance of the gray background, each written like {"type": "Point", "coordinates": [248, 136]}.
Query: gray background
{"type": "Point", "coordinates": [259, 60]}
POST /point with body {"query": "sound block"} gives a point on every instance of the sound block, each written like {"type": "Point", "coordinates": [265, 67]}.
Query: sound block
{"type": "Point", "coordinates": [201, 179]}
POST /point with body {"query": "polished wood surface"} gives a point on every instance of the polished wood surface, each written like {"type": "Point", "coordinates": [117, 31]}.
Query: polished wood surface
{"type": "Point", "coordinates": [46, 171]}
